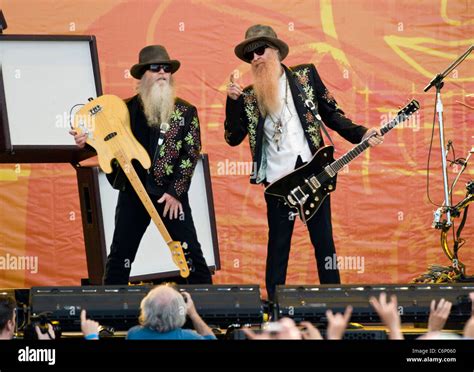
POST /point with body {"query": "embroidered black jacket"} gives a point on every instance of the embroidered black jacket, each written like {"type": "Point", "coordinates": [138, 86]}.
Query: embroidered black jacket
{"type": "Point", "coordinates": [174, 161]}
{"type": "Point", "coordinates": [243, 117]}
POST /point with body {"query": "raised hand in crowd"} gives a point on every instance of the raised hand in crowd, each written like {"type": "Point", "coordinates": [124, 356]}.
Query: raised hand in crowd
{"type": "Point", "coordinates": [48, 335]}
{"type": "Point", "coordinates": [284, 329]}
{"type": "Point", "coordinates": [469, 327]}
{"type": "Point", "coordinates": [310, 332]}
{"type": "Point", "coordinates": [337, 323]}
{"type": "Point", "coordinates": [438, 315]}
{"type": "Point", "coordinates": [388, 313]}
{"type": "Point", "coordinates": [89, 327]}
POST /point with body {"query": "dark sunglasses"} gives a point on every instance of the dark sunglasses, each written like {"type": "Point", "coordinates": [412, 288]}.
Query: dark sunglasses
{"type": "Point", "coordinates": [157, 68]}
{"type": "Point", "coordinates": [259, 52]}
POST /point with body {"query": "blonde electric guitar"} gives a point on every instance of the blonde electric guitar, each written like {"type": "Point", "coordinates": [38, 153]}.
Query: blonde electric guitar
{"type": "Point", "coordinates": [106, 121]}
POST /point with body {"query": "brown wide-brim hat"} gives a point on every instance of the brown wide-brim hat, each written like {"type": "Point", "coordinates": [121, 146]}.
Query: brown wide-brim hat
{"type": "Point", "coordinates": [256, 36]}
{"type": "Point", "coordinates": [153, 55]}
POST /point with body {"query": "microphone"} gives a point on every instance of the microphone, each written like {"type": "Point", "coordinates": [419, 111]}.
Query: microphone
{"type": "Point", "coordinates": [164, 127]}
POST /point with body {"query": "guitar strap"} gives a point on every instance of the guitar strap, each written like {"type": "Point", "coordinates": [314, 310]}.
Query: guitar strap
{"type": "Point", "coordinates": [312, 107]}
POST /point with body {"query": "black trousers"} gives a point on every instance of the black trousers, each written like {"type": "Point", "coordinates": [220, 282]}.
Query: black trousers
{"type": "Point", "coordinates": [280, 230]}
{"type": "Point", "coordinates": [131, 222]}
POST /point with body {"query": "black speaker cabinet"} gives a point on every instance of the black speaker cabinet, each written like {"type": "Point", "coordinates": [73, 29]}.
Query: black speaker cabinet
{"type": "Point", "coordinates": [119, 306]}
{"type": "Point", "coordinates": [311, 302]}
{"type": "Point", "coordinates": [153, 260]}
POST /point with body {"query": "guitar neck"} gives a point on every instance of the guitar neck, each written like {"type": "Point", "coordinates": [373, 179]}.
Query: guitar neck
{"type": "Point", "coordinates": [143, 195]}
{"type": "Point", "coordinates": [364, 145]}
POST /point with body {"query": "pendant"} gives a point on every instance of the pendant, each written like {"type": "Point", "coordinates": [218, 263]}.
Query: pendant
{"type": "Point", "coordinates": [278, 133]}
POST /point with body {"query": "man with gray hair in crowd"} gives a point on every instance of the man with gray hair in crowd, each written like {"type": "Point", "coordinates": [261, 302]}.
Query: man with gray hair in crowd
{"type": "Point", "coordinates": [163, 314]}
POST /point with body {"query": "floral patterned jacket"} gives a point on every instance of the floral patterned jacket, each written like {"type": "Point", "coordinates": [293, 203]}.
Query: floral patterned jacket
{"type": "Point", "coordinates": [174, 161]}
{"type": "Point", "coordinates": [243, 117]}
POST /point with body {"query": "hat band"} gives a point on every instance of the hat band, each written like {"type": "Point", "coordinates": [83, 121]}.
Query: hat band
{"type": "Point", "coordinates": [254, 45]}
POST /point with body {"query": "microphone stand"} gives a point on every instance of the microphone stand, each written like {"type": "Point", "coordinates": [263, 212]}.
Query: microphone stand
{"type": "Point", "coordinates": [437, 82]}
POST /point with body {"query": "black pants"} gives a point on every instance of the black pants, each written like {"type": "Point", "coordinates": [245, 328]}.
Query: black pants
{"type": "Point", "coordinates": [280, 230]}
{"type": "Point", "coordinates": [131, 222]}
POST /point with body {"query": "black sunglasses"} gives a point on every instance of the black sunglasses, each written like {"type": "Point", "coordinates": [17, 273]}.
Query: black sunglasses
{"type": "Point", "coordinates": [157, 68]}
{"type": "Point", "coordinates": [258, 51]}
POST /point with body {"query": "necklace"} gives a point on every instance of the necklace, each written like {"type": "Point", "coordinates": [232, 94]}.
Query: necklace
{"type": "Point", "coordinates": [278, 125]}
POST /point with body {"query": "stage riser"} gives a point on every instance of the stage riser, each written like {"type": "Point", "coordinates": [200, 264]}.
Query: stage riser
{"type": "Point", "coordinates": [227, 305]}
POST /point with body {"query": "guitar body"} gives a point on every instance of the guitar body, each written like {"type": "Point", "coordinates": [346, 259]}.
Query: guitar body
{"type": "Point", "coordinates": [106, 121]}
{"type": "Point", "coordinates": [295, 191]}
{"type": "Point", "coordinates": [306, 187]}
{"type": "Point", "coordinates": [109, 131]}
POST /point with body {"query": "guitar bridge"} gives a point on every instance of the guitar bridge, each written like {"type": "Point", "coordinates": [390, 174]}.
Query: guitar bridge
{"type": "Point", "coordinates": [299, 195]}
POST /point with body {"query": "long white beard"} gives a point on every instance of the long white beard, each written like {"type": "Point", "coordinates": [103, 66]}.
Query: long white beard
{"type": "Point", "coordinates": [158, 99]}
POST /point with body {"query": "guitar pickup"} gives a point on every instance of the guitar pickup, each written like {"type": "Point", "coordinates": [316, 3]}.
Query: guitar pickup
{"type": "Point", "coordinates": [313, 184]}
{"type": "Point", "coordinates": [299, 195]}
{"type": "Point", "coordinates": [95, 110]}
{"type": "Point", "coordinates": [330, 171]}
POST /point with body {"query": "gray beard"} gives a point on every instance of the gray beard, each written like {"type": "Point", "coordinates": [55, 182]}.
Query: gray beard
{"type": "Point", "coordinates": [157, 100]}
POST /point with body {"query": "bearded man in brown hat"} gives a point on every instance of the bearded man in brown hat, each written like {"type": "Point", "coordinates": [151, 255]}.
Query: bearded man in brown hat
{"type": "Point", "coordinates": [168, 127]}
{"type": "Point", "coordinates": [284, 133]}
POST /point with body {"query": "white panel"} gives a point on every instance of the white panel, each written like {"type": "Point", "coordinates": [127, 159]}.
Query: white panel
{"type": "Point", "coordinates": [43, 80]}
{"type": "Point", "coordinates": [153, 254]}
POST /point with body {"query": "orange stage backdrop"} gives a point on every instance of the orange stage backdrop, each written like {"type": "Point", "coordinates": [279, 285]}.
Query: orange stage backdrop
{"type": "Point", "coordinates": [373, 56]}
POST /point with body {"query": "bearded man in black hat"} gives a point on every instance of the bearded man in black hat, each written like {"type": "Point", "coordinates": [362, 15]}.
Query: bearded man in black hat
{"type": "Point", "coordinates": [284, 133]}
{"type": "Point", "coordinates": [168, 127]}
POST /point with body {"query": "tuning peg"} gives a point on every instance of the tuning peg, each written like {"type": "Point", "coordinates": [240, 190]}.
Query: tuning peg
{"type": "Point", "coordinates": [184, 245]}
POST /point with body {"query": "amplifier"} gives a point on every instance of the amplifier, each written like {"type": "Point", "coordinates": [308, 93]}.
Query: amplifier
{"type": "Point", "coordinates": [226, 305]}
{"type": "Point", "coordinates": [119, 306]}
{"type": "Point", "coordinates": [311, 302]}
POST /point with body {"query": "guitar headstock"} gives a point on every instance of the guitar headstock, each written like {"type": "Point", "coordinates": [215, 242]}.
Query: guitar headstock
{"type": "Point", "coordinates": [410, 108]}
{"type": "Point", "coordinates": [178, 257]}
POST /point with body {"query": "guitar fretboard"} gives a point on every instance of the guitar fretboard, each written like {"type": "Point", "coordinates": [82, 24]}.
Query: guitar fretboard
{"type": "Point", "coordinates": [364, 145]}
{"type": "Point", "coordinates": [142, 194]}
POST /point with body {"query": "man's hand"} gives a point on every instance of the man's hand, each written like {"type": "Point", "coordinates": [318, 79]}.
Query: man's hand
{"type": "Point", "coordinates": [49, 335]}
{"type": "Point", "coordinates": [88, 326]}
{"type": "Point", "coordinates": [286, 330]}
{"type": "Point", "coordinates": [172, 205]}
{"type": "Point", "coordinates": [80, 139]}
{"type": "Point", "coordinates": [374, 140]}
{"type": "Point", "coordinates": [199, 325]}
{"type": "Point", "coordinates": [310, 332]}
{"type": "Point", "coordinates": [438, 315]}
{"type": "Point", "coordinates": [388, 313]}
{"type": "Point", "coordinates": [190, 308]}
{"type": "Point", "coordinates": [337, 323]}
{"type": "Point", "coordinates": [233, 89]}
{"type": "Point", "coordinates": [469, 327]}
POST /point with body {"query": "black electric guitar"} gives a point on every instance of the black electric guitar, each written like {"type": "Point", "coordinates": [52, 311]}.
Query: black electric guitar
{"type": "Point", "coordinates": [305, 189]}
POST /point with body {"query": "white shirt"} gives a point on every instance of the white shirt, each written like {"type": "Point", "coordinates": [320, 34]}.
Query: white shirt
{"type": "Point", "coordinates": [292, 141]}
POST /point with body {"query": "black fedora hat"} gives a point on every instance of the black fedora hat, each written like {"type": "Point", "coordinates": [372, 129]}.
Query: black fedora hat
{"type": "Point", "coordinates": [255, 36]}
{"type": "Point", "coordinates": [153, 54]}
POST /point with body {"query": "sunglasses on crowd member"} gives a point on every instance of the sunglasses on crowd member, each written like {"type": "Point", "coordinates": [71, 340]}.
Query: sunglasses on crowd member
{"type": "Point", "coordinates": [258, 51]}
{"type": "Point", "coordinates": [158, 67]}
